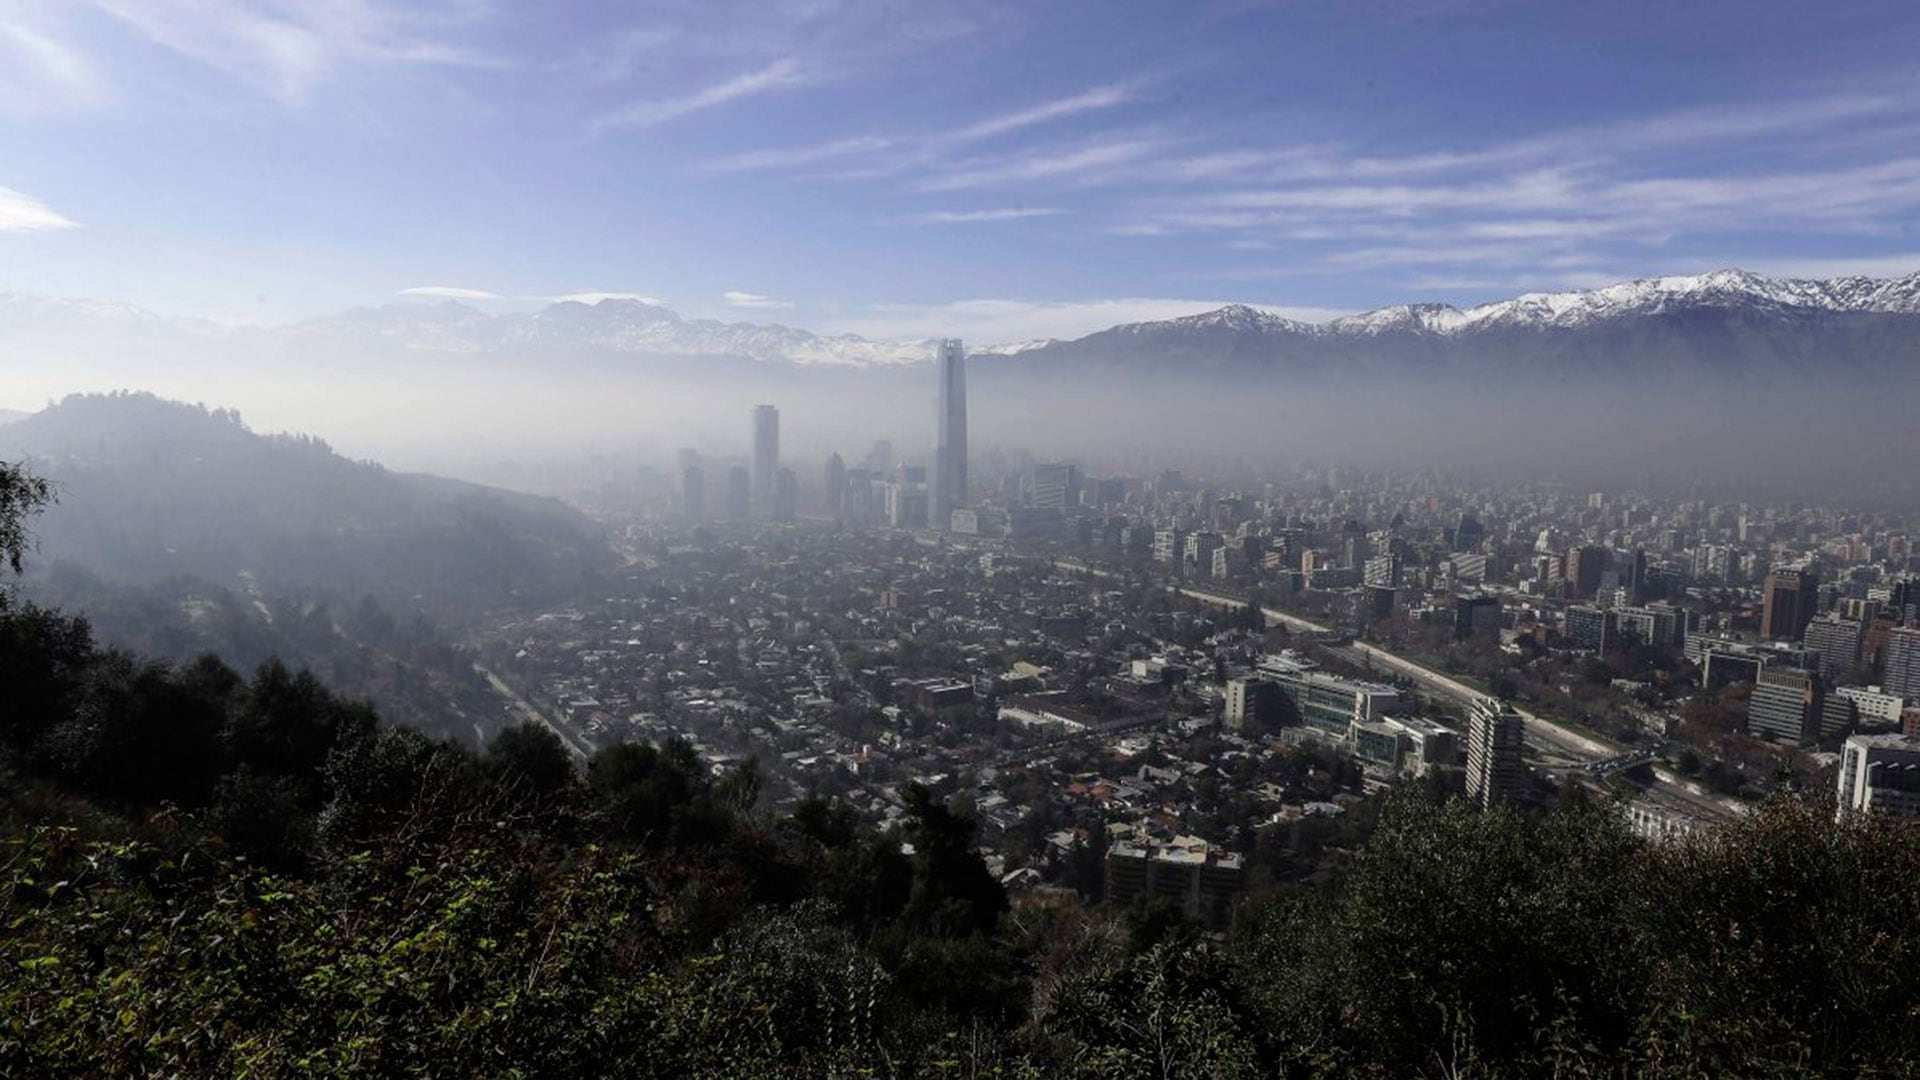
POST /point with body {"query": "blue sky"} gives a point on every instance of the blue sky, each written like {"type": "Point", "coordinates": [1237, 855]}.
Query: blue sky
{"type": "Point", "coordinates": [904, 168]}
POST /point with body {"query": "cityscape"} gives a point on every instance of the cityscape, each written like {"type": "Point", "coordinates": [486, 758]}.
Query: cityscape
{"type": "Point", "coordinates": [959, 540]}
{"type": "Point", "coordinates": [1185, 679]}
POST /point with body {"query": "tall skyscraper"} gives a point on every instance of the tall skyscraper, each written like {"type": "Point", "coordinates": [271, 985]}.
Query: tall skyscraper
{"type": "Point", "coordinates": [1496, 739]}
{"type": "Point", "coordinates": [1791, 598]}
{"type": "Point", "coordinates": [766, 457]}
{"type": "Point", "coordinates": [836, 480]}
{"type": "Point", "coordinates": [949, 481]}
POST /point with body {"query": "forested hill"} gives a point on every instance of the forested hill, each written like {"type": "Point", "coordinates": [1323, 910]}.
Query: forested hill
{"type": "Point", "coordinates": [151, 489]}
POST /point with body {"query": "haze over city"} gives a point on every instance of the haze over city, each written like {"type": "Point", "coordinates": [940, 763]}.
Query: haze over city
{"type": "Point", "coordinates": [848, 538]}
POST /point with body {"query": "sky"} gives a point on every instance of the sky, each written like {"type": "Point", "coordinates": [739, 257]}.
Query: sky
{"type": "Point", "coordinates": [998, 171]}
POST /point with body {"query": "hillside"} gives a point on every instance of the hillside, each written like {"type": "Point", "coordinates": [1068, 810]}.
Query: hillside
{"type": "Point", "coordinates": [151, 489]}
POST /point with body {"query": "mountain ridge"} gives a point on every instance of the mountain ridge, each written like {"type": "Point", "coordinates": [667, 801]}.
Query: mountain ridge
{"type": "Point", "coordinates": [622, 326]}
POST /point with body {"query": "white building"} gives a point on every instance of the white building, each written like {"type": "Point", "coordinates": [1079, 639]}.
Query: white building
{"type": "Point", "coordinates": [1880, 772]}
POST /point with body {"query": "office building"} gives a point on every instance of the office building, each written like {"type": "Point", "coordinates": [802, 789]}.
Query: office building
{"type": "Point", "coordinates": [1251, 702]}
{"type": "Point", "coordinates": [859, 506]}
{"type": "Point", "coordinates": [1169, 545]}
{"type": "Point", "coordinates": [1496, 743]}
{"type": "Point", "coordinates": [1660, 625]}
{"type": "Point", "coordinates": [1902, 675]}
{"type": "Point", "coordinates": [1583, 566]}
{"type": "Point", "coordinates": [907, 505]}
{"type": "Point", "coordinates": [1326, 704]}
{"type": "Point", "coordinates": [1055, 487]}
{"type": "Point", "coordinates": [766, 457]}
{"type": "Point", "coordinates": [1382, 571]}
{"type": "Point", "coordinates": [1468, 534]}
{"type": "Point", "coordinates": [949, 480]}
{"type": "Point", "coordinates": [1790, 598]}
{"type": "Point", "coordinates": [1477, 614]}
{"type": "Point", "coordinates": [1785, 705]}
{"type": "Point", "coordinates": [1880, 773]}
{"type": "Point", "coordinates": [1872, 704]}
{"type": "Point", "coordinates": [1589, 628]}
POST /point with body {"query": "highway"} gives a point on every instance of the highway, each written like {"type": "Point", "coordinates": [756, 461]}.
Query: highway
{"type": "Point", "coordinates": [1558, 738]}
{"type": "Point", "coordinates": [574, 744]}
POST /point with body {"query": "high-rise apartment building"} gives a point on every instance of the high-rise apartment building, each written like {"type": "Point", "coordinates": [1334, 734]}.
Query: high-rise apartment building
{"type": "Point", "coordinates": [1837, 640]}
{"type": "Point", "coordinates": [766, 457]}
{"type": "Point", "coordinates": [1496, 741]}
{"type": "Point", "coordinates": [1902, 675]}
{"type": "Point", "coordinates": [948, 486]}
{"type": "Point", "coordinates": [1791, 597]}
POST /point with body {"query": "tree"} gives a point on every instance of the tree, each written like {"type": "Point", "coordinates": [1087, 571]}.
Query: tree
{"type": "Point", "coordinates": [22, 495]}
{"type": "Point", "coordinates": [530, 757]}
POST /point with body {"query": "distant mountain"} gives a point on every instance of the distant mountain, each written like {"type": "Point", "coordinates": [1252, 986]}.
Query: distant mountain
{"type": "Point", "coordinates": [1728, 321]}
{"type": "Point", "coordinates": [618, 326]}
{"type": "Point", "coordinates": [150, 489]}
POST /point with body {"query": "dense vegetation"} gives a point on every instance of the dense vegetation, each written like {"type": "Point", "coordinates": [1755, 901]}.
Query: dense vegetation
{"type": "Point", "coordinates": [211, 874]}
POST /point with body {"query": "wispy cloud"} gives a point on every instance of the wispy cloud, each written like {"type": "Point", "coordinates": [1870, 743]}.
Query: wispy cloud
{"type": "Point", "coordinates": [39, 72]}
{"type": "Point", "coordinates": [780, 75]}
{"type": "Point", "coordinates": [894, 155]}
{"type": "Point", "coordinates": [23, 213]}
{"type": "Point", "coordinates": [969, 217]}
{"type": "Point", "coordinates": [754, 160]}
{"type": "Point", "coordinates": [1046, 163]}
{"type": "Point", "coordinates": [736, 298]}
{"type": "Point", "coordinates": [286, 49]}
{"type": "Point", "coordinates": [1101, 97]}
{"type": "Point", "coordinates": [596, 297]}
{"type": "Point", "coordinates": [449, 292]}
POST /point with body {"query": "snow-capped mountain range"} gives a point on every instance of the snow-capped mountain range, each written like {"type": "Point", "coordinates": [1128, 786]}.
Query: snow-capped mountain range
{"type": "Point", "coordinates": [1235, 334]}
{"type": "Point", "coordinates": [1571, 310]}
